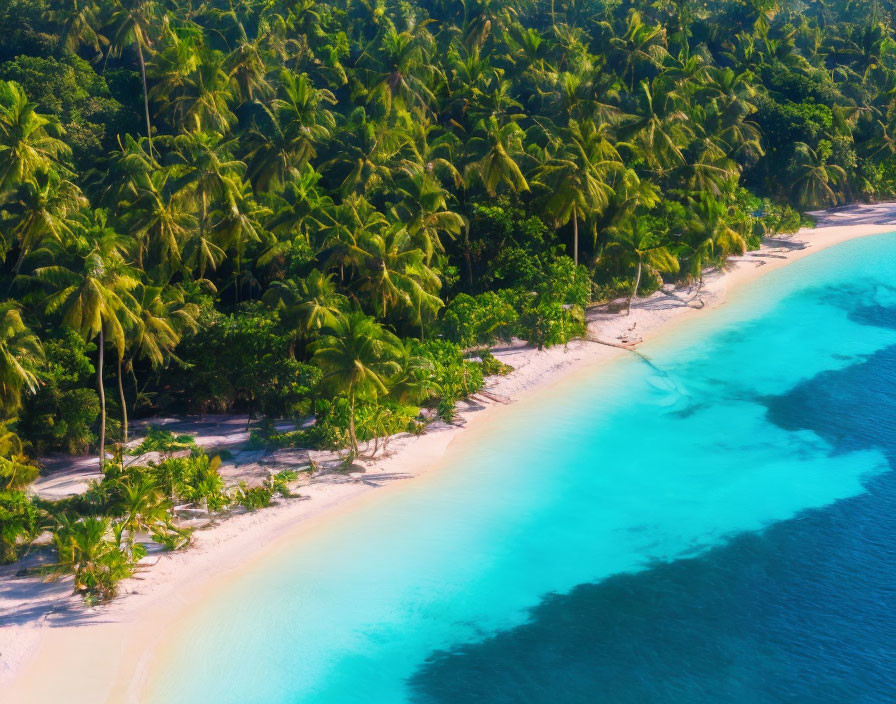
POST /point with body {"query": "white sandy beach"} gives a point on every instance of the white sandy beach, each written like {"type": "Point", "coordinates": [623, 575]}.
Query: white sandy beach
{"type": "Point", "coordinates": [52, 648]}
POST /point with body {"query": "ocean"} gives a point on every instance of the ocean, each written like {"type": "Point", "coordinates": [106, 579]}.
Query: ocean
{"type": "Point", "coordinates": [715, 524]}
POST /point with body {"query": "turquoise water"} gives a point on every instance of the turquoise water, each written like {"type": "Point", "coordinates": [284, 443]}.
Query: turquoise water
{"type": "Point", "coordinates": [641, 533]}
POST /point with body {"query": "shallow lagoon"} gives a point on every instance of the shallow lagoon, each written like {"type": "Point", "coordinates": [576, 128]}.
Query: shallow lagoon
{"type": "Point", "coordinates": [717, 525]}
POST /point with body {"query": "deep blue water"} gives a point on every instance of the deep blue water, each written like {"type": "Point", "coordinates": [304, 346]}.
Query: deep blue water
{"type": "Point", "coordinates": [803, 611]}
{"type": "Point", "coordinates": [716, 526]}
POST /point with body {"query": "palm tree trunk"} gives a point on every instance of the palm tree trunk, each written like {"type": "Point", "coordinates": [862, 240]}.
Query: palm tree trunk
{"type": "Point", "coordinates": [351, 422]}
{"type": "Point", "coordinates": [124, 406]}
{"type": "Point", "coordinates": [99, 383]}
{"type": "Point", "coordinates": [145, 95]}
{"type": "Point", "coordinates": [575, 238]}
{"type": "Point", "coordinates": [634, 289]}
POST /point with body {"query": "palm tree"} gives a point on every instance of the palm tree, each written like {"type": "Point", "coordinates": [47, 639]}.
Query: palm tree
{"type": "Point", "coordinates": [357, 357]}
{"type": "Point", "coordinates": [636, 244]}
{"type": "Point", "coordinates": [640, 45]}
{"type": "Point", "coordinates": [163, 315]}
{"type": "Point", "coordinates": [306, 305]}
{"type": "Point", "coordinates": [85, 550]}
{"type": "Point", "coordinates": [21, 354]}
{"type": "Point", "coordinates": [94, 299]}
{"type": "Point", "coordinates": [423, 209]}
{"type": "Point", "coordinates": [403, 69]}
{"type": "Point", "coordinates": [577, 179]}
{"type": "Point", "coordinates": [205, 175]}
{"type": "Point", "coordinates": [366, 150]}
{"type": "Point", "coordinates": [130, 24]}
{"type": "Point", "coordinates": [199, 99]}
{"type": "Point", "coordinates": [394, 274]}
{"type": "Point", "coordinates": [80, 24]}
{"type": "Point", "coordinates": [299, 122]}
{"type": "Point", "coordinates": [661, 130]}
{"type": "Point", "coordinates": [813, 176]}
{"type": "Point", "coordinates": [140, 503]}
{"type": "Point", "coordinates": [499, 146]}
{"type": "Point", "coordinates": [710, 235]}
{"type": "Point", "coordinates": [29, 141]}
{"type": "Point", "coordinates": [44, 210]}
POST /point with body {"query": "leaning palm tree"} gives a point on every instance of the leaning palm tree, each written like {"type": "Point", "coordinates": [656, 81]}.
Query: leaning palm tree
{"type": "Point", "coordinates": [20, 356]}
{"type": "Point", "coordinates": [357, 357]}
{"type": "Point", "coordinates": [635, 244]}
{"type": "Point", "coordinates": [94, 298]}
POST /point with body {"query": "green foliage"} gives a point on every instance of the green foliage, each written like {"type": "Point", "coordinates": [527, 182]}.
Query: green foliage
{"type": "Point", "coordinates": [491, 365]}
{"type": "Point", "coordinates": [19, 522]}
{"type": "Point", "coordinates": [91, 550]}
{"type": "Point", "coordinates": [194, 479]}
{"type": "Point", "coordinates": [62, 414]}
{"type": "Point", "coordinates": [163, 442]}
{"type": "Point", "coordinates": [482, 319]}
{"type": "Point", "coordinates": [257, 497]}
{"type": "Point", "coordinates": [261, 208]}
{"type": "Point", "coordinates": [243, 360]}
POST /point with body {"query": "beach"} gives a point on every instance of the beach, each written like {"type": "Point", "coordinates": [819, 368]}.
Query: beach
{"type": "Point", "coordinates": [100, 654]}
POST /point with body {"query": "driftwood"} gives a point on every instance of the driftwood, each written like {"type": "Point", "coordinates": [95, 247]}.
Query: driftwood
{"type": "Point", "coordinates": [630, 346]}
{"type": "Point", "coordinates": [683, 301]}
{"type": "Point", "coordinates": [495, 397]}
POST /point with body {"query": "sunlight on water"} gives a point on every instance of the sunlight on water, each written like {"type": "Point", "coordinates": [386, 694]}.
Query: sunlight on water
{"type": "Point", "coordinates": [616, 472]}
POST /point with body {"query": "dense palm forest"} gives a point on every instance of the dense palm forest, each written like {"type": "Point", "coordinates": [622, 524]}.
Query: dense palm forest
{"type": "Point", "coordinates": [295, 208]}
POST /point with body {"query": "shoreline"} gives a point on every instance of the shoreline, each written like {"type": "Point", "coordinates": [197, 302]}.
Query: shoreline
{"type": "Point", "coordinates": [106, 653]}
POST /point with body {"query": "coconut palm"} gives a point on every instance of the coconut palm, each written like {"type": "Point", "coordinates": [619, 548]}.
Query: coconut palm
{"type": "Point", "coordinates": [80, 20]}
{"type": "Point", "coordinates": [29, 142]}
{"type": "Point", "coordinates": [402, 70]}
{"type": "Point", "coordinates": [661, 130]}
{"type": "Point", "coordinates": [393, 274]}
{"type": "Point", "coordinates": [641, 45]}
{"type": "Point", "coordinates": [44, 210]}
{"type": "Point", "coordinates": [357, 357]}
{"type": "Point", "coordinates": [90, 550]}
{"type": "Point", "coordinates": [635, 244]}
{"type": "Point", "coordinates": [577, 179]}
{"type": "Point", "coordinates": [21, 354]}
{"type": "Point", "coordinates": [130, 25]}
{"type": "Point", "coordinates": [423, 209]}
{"type": "Point", "coordinates": [710, 236]}
{"type": "Point", "coordinates": [813, 177]}
{"type": "Point", "coordinates": [297, 123]}
{"type": "Point", "coordinates": [163, 315]}
{"type": "Point", "coordinates": [93, 296]}
{"type": "Point", "coordinates": [499, 146]}
{"type": "Point", "coordinates": [200, 98]}
{"type": "Point", "coordinates": [306, 305]}
{"type": "Point", "coordinates": [205, 175]}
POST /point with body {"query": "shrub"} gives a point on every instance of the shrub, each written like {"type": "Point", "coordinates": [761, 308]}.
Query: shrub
{"type": "Point", "coordinates": [84, 549]}
{"type": "Point", "coordinates": [62, 415]}
{"type": "Point", "coordinates": [19, 522]}
{"type": "Point", "coordinates": [480, 320]}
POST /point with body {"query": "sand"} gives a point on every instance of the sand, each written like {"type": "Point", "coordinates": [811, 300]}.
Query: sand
{"type": "Point", "coordinates": [52, 648]}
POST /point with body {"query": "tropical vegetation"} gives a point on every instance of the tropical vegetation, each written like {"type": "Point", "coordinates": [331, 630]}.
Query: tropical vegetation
{"type": "Point", "coordinates": [322, 210]}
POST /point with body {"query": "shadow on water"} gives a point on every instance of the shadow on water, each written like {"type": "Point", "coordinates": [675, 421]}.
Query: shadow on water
{"type": "Point", "coordinates": [799, 612]}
